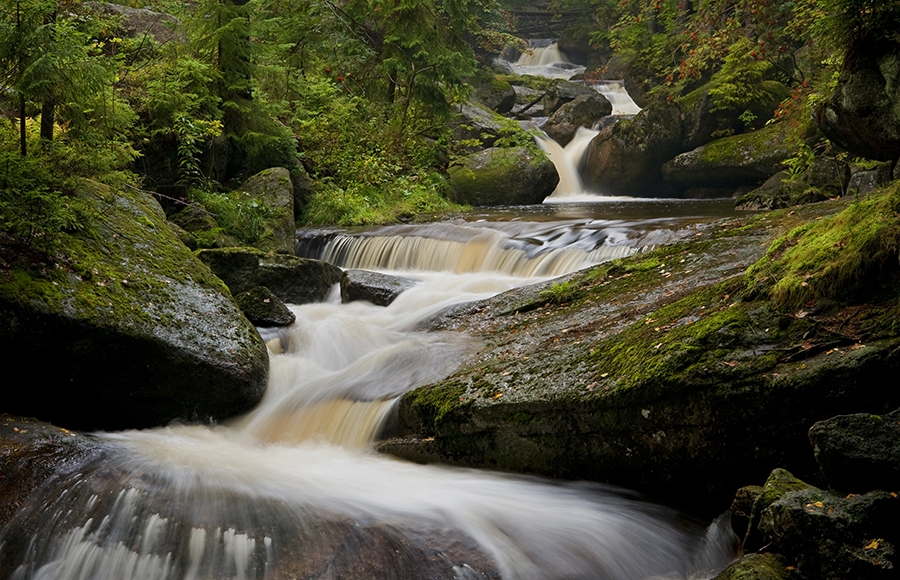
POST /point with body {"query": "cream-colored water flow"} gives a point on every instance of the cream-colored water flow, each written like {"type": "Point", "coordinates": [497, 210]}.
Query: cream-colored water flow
{"type": "Point", "coordinates": [568, 161]}
{"type": "Point", "coordinates": [543, 58]}
{"type": "Point", "coordinates": [293, 489]}
{"type": "Point", "coordinates": [615, 93]}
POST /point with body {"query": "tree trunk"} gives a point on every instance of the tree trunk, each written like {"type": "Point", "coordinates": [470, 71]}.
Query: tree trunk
{"type": "Point", "coordinates": [23, 144]}
{"type": "Point", "coordinates": [48, 117]}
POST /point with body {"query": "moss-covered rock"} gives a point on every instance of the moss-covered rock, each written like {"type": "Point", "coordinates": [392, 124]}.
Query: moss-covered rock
{"type": "Point", "coordinates": [625, 159]}
{"type": "Point", "coordinates": [745, 159]}
{"type": "Point", "coordinates": [503, 176]}
{"type": "Point", "coordinates": [560, 92]}
{"type": "Point", "coordinates": [862, 115]}
{"type": "Point", "coordinates": [273, 189]}
{"type": "Point", "coordinates": [138, 330]}
{"type": "Point", "coordinates": [202, 226]}
{"type": "Point", "coordinates": [494, 92]}
{"type": "Point", "coordinates": [292, 279]}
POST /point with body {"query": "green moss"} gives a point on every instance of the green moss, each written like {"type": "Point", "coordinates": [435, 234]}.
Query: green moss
{"type": "Point", "coordinates": [101, 277]}
{"type": "Point", "coordinates": [431, 404]}
{"type": "Point", "coordinates": [835, 258]}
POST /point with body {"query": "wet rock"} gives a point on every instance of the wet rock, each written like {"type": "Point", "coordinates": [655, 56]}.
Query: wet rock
{"type": "Point", "coordinates": [861, 115]}
{"type": "Point", "coordinates": [503, 176]}
{"type": "Point", "coordinates": [140, 331]}
{"type": "Point", "coordinates": [31, 453]}
{"type": "Point", "coordinates": [375, 287]}
{"type": "Point", "coordinates": [833, 537]}
{"type": "Point", "coordinates": [860, 452]}
{"type": "Point", "coordinates": [263, 308]}
{"type": "Point", "coordinates": [625, 159]}
{"type": "Point", "coordinates": [744, 159]}
{"type": "Point", "coordinates": [756, 567]}
{"type": "Point", "coordinates": [561, 92]}
{"type": "Point", "coordinates": [186, 237]}
{"type": "Point", "coordinates": [303, 186]}
{"type": "Point", "coordinates": [583, 111]}
{"type": "Point", "coordinates": [294, 280]}
{"type": "Point", "coordinates": [272, 189]}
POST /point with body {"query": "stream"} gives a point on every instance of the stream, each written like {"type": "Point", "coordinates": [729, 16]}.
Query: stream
{"type": "Point", "coordinates": [293, 489]}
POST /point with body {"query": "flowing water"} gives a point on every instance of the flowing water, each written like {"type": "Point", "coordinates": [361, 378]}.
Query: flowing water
{"type": "Point", "coordinates": [293, 488]}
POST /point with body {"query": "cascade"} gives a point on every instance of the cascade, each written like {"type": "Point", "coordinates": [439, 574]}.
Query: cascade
{"type": "Point", "coordinates": [568, 161]}
{"type": "Point", "coordinates": [543, 58]}
{"type": "Point", "coordinates": [292, 488]}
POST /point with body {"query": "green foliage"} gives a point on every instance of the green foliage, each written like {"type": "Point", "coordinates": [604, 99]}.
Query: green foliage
{"type": "Point", "coordinates": [364, 203]}
{"type": "Point", "coordinates": [561, 292]}
{"type": "Point", "coordinates": [239, 214]}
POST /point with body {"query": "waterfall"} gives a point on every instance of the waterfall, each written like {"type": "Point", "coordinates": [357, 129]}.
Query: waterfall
{"type": "Point", "coordinates": [292, 488]}
{"type": "Point", "coordinates": [568, 161]}
{"type": "Point", "coordinates": [615, 93]}
{"type": "Point", "coordinates": [543, 58]}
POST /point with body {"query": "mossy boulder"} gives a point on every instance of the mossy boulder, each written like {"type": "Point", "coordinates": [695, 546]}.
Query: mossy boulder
{"type": "Point", "coordinates": [272, 189]}
{"type": "Point", "coordinates": [862, 115]}
{"type": "Point", "coordinates": [583, 111]}
{"type": "Point", "coordinates": [202, 226]}
{"type": "Point", "coordinates": [779, 191]}
{"type": "Point", "coordinates": [294, 280]}
{"type": "Point", "coordinates": [860, 452]}
{"type": "Point", "coordinates": [140, 332]}
{"type": "Point", "coordinates": [375, 287]}
{"type": "Point", "coordinates": [625, 159]}
{"type": "Point", "coordinates": [503, 176]}
{"type": "Point", "coordinates": [263, 308]}
{"type": "Point", "coordinates": [746, 159]}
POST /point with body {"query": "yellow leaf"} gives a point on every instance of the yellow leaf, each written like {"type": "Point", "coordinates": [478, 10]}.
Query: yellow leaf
{"type": "Point", "coordinates": [873, 545]}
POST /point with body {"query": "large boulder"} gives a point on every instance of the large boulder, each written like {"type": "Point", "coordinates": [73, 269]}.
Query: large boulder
{"type": "Point", "coordinates": [140, 332]}
{"type": "Point", "coordinates": [860, 452]}
{"type": "Point", "coordinates": [583, 111]}
{"type": "Point", "coordinates": [746, 159]}
{"type": "Point", "coordinates": [503, 176]}
{"type": "Point", "coordinates": [272, 189]}
{"type": "Point", "coordinates": [134, 22]}
{"type": "Point", "coordinates": [292, 279]}
{"type": "Point", "coordinates": [494, 93]}
{"type": "Point", "coordinates": [263, 308]}
{"type": "Point", "coordinates": [862, 115]}
{"type": "Point", "coordinates": [624, 159]}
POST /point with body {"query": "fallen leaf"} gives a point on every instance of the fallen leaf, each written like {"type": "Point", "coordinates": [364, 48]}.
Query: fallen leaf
{"type": "Point", "coordinates": [873, 545]}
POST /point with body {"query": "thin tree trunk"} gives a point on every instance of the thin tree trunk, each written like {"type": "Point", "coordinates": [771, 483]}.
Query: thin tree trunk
{"type": "Point", "coordinates": [48, 117]}
{"type": "Point", "coordinates": [23, 145]}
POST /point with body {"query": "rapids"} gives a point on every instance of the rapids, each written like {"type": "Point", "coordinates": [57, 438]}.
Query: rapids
{"type": "Point", "coordinates": [293, 489]}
